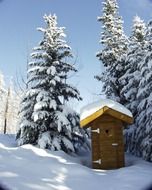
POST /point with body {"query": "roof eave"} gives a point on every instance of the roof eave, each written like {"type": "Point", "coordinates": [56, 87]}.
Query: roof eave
{"type": "Point", "coordinates": [125, 118]}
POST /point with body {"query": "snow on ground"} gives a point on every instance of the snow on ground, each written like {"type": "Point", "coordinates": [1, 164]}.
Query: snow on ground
{"type": "Point", "coordinates": [31, 168]}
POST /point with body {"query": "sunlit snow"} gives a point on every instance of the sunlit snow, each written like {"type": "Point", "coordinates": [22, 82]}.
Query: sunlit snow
{"type": "Point", "coordinates": [30, 168]}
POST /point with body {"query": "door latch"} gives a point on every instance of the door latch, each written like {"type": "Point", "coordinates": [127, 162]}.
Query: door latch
{"type": "Point", "coordinates": [114, 144]}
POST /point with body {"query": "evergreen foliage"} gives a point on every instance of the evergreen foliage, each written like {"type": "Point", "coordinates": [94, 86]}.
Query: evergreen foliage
{"type": "Point", "coordinates": [43, 117]}
{"type": "Point", "coordinates": [114, 44]}
{"type": "Point", "coordinates": [134, 56]}
{"type": "Point", "coordinates": [144, 119]}
{"type": "Point", "coordinates": [131, 79]}
{"type": "Point", "coordinates": [128, 74]}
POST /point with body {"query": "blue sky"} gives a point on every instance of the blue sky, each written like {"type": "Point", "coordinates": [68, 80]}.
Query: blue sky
{"type": "Point", "coordinates": [20, 18]}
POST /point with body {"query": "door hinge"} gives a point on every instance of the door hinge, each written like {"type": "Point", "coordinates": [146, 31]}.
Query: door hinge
{"type": "Point", "coordinates": [96, 131]}
{"type": "Point", "coordinates": [97, 161]}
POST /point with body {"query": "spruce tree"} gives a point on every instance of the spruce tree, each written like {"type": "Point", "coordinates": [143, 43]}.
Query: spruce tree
{"type": "Point", "coordinates": [144, 119]}
{"type": "Point", "coordinates": [134, 57]}
{"type": "Point", "coordinates": [43, 118]}
{"type": "Point", "coordinates": [114, 44]}
{"type": "Point", "coordinates": [132, 77]}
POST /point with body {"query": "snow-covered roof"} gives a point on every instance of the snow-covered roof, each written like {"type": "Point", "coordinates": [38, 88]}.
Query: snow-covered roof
{"type": "Point", "coordinates": [94, 107]}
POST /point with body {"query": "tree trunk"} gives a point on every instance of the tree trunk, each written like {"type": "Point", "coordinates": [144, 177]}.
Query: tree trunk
{"type": "Point", "coordinates": [6, 111]}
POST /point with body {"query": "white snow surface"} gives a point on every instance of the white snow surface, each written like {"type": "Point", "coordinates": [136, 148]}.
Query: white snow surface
{"type": "Point", "coordinates": [90, 109]}
{"type": "Point", "coordinates": [30, 168]}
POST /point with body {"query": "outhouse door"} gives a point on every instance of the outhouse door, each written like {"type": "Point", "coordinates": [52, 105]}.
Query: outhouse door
{"type": "Point", "coordinates": [107, 146]}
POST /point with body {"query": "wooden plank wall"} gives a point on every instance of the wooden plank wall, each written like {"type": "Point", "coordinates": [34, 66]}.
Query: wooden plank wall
{"type": "Point", "coordinates": [110, 133]}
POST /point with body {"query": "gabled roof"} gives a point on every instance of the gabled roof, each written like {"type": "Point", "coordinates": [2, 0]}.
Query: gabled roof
{"type": "Point", "coordinates": [105, 106]}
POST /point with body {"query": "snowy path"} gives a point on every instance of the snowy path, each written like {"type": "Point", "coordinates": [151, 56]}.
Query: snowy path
{"type": "Point", "coordinates": [31, 168]}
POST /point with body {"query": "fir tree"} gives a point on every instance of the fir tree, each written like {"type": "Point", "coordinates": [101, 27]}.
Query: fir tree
{"type": "Point", "coordinates": [132, 77]}
{"type": "Point", "coordinates": [43, 120]}
{"type": "Point", "coordinates": [114, 46]}
{"type": "Point", "coordinates": [135, 55]}
{"type": "Point", "coordinates": [144, 119]}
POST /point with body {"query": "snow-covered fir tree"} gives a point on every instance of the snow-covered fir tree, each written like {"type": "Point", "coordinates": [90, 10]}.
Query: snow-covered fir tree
{"type": "Point", "coordinates": [144, 119]}
{"type": "Point", "coordinates": [79, 137]}
{"type": "Point", "coordinates": [44, 120]}
{"type": "Point", "coordinates": [135, 55]}
{"type": "Point", "coordinates": [132, 77]}
{"type": "Point", "coordinates": [114, 44]}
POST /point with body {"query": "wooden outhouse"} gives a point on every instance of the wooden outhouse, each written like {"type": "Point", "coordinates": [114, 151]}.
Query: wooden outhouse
{"type": "Point", "coordinates": [107, 120]}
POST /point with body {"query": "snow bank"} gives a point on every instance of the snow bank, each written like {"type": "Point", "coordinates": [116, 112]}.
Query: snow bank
{"type": "Point", "coordinates": [31, 168]}
{"type": "Point", "coordinates": [8, 140]}
{"type": "Point", "coordinates": [95, 106]}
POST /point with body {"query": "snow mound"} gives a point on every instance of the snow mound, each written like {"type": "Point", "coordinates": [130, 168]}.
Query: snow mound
{"type": "Point", "coordinates": [90, 109]}
{"type": "Point", "coordinates": [30, 168]}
